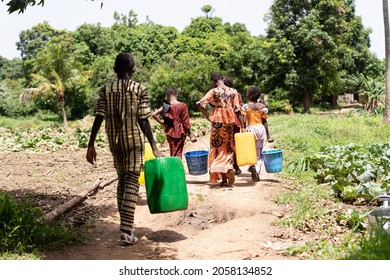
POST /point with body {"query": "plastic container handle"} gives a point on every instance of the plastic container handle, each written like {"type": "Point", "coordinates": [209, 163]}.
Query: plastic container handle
{"type": "Point", "coordinates": [208, 149]}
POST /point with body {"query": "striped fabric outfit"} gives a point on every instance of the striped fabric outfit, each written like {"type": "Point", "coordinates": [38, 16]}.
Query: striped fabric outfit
{"type": "Point", "coordinates": [123, 103]}
{"type": "Point", "coordinates": [222, 116]}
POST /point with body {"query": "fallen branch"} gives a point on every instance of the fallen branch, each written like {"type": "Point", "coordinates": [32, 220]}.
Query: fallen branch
{"type": "Point", "coordinates": [50, 216]}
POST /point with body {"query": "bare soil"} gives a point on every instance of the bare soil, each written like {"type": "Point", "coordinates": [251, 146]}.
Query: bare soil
{"type": "Point", "coordinates": [220, 223]}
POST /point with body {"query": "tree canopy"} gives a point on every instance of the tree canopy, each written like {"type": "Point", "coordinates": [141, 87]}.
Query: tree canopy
{"type": "Point", "coordinates": [310, 50]}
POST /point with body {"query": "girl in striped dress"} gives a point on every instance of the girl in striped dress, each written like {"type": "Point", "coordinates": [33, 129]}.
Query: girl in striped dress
{"type": "Point", "coordinates": [124, 105]}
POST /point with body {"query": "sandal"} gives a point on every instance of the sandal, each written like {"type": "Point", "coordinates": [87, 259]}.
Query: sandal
{"type": "Point", "coordinates": [238, 171]}
{"type": "Point", "coordinates": [223, 184]}
{"type": "Point", "coordinates": [231, 177]}
{"type": "Point", "coordinates": [255, 175]}
{"type": "Point", "coordinates": [270, 140]}
{"type": "Point", "coordinates": [128, 239]}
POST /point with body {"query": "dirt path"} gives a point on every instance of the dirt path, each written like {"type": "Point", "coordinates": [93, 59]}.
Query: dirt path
{"type": "Point", "coordinates": [220, 223]}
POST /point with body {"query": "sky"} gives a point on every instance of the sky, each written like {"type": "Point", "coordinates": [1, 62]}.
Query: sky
{"type": "Point", "coordinates": [69, 14]}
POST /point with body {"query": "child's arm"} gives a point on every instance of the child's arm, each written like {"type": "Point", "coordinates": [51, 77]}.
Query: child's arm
{"type": "Point", "coordinates": [91, 152]}
{"type": "Point", "coordinates": [241, 121]}
{"type": "Point", "coordinates": [155, 116]}
{"type": "Point", "coordinates": [265, 123]}
{"type": "Point", "coordinates": [147, 131]}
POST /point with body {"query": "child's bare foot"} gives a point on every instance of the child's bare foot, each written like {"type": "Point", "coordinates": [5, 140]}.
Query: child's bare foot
{"type": "Point", "coordinates": [270, 139]}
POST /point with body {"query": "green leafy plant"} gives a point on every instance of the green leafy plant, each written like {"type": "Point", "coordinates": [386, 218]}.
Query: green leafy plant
{"type": "Point", "coordinates": [22, 231]}
{"type": "Point", "coordinates": [353, 219]}
{"type": "Point", "coordinates": [375, 245]}
{"type": "Point", "coordinates": [354, 171]}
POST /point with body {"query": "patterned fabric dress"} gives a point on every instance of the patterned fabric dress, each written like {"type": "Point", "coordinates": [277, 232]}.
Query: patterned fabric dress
{"type": "Point", "coordinates": [222, 116]}
{"type": "Point", "coordinates": [123, 103]}
{"type": "Point", "coordinates": [176, 133]}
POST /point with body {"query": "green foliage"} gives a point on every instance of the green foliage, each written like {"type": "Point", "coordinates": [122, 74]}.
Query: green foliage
{"type": "Point", "coordinates": [373, 246]}
{"type": "Point", "coordinates": [22, 231]}
{"type": "Point", "coordinates": [129, 20]}
{"type": "Point", "coordinates": [371, 90]}
{"type": "Point", "coordinates": [283, 106]}
{"type": "Point", "coordinates": [9, 100]}
{"type": "Point", "coordinates": [99, 39]}
{"type": "Point", "coordinates": [353, 171]}
{"type": "Point", "coordinates": [21, 5]}
{"type": "Point", "coordinates": [354, 219]}
{"type": "Point", "coordinates": [56, 75]}
{"type": "Point", "coordinates": [11, 69]}
{"type": "Point", "coordinates": [46, 139]}
{"type": "Point", "coordinates": [309, 45]}
{"type": "Point", "coordinates": [201, 27]}
{"type": "Point", "coordinates": [33, 40]}
{"type": "Point", "coordinates": [151, 42]}
{"type": "Point", "coordinates": [82, 137]}
{"type": "Point", "coordinates": [190, 74]}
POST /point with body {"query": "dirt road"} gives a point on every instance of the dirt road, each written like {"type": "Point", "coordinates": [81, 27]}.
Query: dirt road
{"type": "Point", "coordinates": [220, 223]}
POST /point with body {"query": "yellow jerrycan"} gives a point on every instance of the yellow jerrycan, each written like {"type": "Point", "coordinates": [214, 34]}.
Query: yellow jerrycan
{"type": "Point", "coordinates": [148, 155]}
{"type": "Point", "coordinates": [245, 148]}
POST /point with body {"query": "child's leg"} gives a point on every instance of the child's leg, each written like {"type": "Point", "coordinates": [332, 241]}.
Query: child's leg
{"type": "Point", "coordinates": [180, 146]}
{"type": "Point", "coordinates": [259, 149]}
{"type": "Point", "coordinates": [127, 196]}
{"type": "Point", "coordinates": [176, 146]}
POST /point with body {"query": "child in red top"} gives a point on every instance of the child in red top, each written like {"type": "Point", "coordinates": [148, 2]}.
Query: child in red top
{"type": "Point", "coordinates": [176, 122]}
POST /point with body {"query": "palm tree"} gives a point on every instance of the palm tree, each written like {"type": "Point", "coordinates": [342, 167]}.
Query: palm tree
{"type": "Point", "coordinates": [385, 7]}
{"type": "Point", "coordinates": [55, 72]}
{"type": "Point", "coordinates": [370, 90]}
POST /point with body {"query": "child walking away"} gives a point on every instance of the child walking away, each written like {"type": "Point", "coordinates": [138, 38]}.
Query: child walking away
{"type": "Point", "coordinates": [255, 112]}
{"type": "Point", "coordinates": [124, 105]}
{"type": "Point", "coordinates": [176, 122]}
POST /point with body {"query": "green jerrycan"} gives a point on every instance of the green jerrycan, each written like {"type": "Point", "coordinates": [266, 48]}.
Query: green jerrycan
{"type": "Point", "coordinates": [166, 187]}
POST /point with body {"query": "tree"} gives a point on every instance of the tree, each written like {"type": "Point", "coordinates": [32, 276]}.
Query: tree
{"type": "Point", "coordinates": [151, 41]}
{"type": "Point", "coordinates": [56, 72]}
{"type": "Point", "coordinates": [21, 5]}
{"type": "Point", "coordinates": [371, 90]}
{"type": "Point", "coordinates": [99, 39]}
{"type": "Point", "coordinates": [208, 10]}
{"type": "Point", "coordinates": [129, 20]}
{"type": "Point", "coordinates": [11, 69]}
{"type": "Point", "coordinates": [33, 40]}
{"type": "Point", "coordinates": [308, 44]}
{"type": "Point", "coordinates": [386, 115]}
{"type": "Point", "coordinates": [189, 73]}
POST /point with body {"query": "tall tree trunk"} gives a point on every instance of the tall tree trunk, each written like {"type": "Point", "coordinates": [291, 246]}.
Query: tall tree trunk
{"type": "Point", "coordinates": [307, 102]}
{"type": "Point", "coordinates": [385, 6]}
{"type": "Point", "coordinates": [61, 102]}
{"type": "Point", "coordinates": [333, 100]}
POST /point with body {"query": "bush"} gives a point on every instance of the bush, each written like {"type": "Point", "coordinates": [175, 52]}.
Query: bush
{"type": "Point", "coordinates": [374, 246]}
{"type": "Point", "coordinates": [22, 231]}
